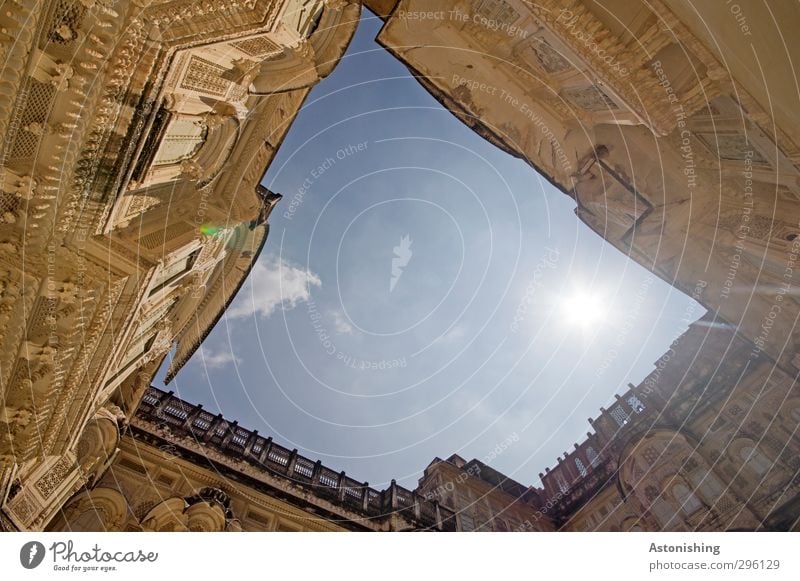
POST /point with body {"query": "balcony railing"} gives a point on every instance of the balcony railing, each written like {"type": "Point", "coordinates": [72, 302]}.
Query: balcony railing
{"type": "Point", "coordinates": [213, 431]}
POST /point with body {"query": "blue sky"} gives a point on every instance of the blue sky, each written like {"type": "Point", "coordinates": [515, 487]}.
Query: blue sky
{"type": "Point", "coordinates": [418, 294]}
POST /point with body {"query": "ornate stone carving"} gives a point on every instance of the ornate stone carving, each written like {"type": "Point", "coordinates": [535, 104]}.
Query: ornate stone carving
{"type": "Point", "coordinates": [205, 77]}
{"type": "Point", "coordinates": [15, 420]}
{"type": "Point", "coordinates": [244, 71]}
{"type": "Point", "coordinates": [731, 147]}
{"type": "Point", "coordinates": [61, 77]}
{"type": "Point", "coordinates": [51, 480]}
{"type": "Point", "coordinates": [24, 187]}
{"type": "Point", "coordinates": [24, 507]}
{"type": "Point", "coordinates": [591, 98]}
{"type": "Point", "coordinates": [212, 120]}
{"type": "Point", "coordinates": [191, 170]}
{"type": "Point", "coordinates": [259, 46]}
{"type": "Point", "coordinates": [547, 57]}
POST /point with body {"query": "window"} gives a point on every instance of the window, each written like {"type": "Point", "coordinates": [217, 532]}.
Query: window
{"type": "Point", "coordinates": [287, 527]}
{"type": "Point", "coordinates": [707, 485]}
{"type": "Point", "coordinates": [589, 523]}
{"type": "Point", "coordinates": [148, 321]}
{"type": "Point", "coordinates": [581, 467]}
{"type": "Point", "coordinates": [658, 506]}
{"type": "Point", "coordinates": [467, 523]}
{"type": "Point", "coordinates": [636, 404]}
{"type": "Point", "coordinates": [620, 416]}
{"type": "Point", "coordinates": [139, 348]}
{"type": "Point", "coordinates": [496, 11]}
{"type": "Point", "coordinates": [183, 138]}
{"type": "Point", "coordinates": [591, 455]}
{"type": "Point", "coordinates": [173, 272]}
{"type": "Point", "coordinates": [484, 516]}
{"type": "Point", "coordinates": [561, 481]}
{"type": "Point", "coordinates": [754, 459]}
{"type": "Point", "coordinates": [262, 520]}
{"type": "Point", "coordinates": [461, 498]}
{"type": "Point", "coordinates": [650, 455]}
{"type": "Point", "coordinates": [500, 525]}
{"type": "Point", "coordinates": [735, 410]}
{"type": "Point", "coordinates": [631, 524]}
{"type": "Point", "coordinates": [686, 498]}
{"type": "Point", "coordinates": [718, 424]}
{"type": "Point", "coordinates": [690, 465]}
{"type": "Point", "coordinates": [159, 126]}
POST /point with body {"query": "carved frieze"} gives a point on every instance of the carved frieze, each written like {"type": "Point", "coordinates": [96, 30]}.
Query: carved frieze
{"type": "Point", "coordinates": [204, 76]}
{"type": "Point", "coordinates": [53, 478]}
{"type": "Point", "coordinates": [548, 58]}
{"type": "Point", "coordinates": [24, 508]}
{"type": "Point", "coordinates": [731, 147]}
{"type": "Point", "coordinates": [591, 98]}
{"type": "Point", "coordinates": [70, 138]}
{"type": "Point", "coordinates": [257, 46]}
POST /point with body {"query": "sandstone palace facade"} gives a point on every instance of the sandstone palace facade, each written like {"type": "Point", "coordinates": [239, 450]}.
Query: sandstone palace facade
{"type": "Point", "coordinates": [134, 135]}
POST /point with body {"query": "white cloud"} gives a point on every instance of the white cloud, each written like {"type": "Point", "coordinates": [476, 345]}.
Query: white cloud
{"type": "Point", "coordinates": [340, 323]}
{"type": "Point", "coordinates": [217, 359]}
{"type": "Point", "coordinates": [273, 284]}
{"type": "Point", "coordinates": [454, 335]}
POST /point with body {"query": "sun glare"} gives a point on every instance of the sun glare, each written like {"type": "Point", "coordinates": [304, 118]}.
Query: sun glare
{"type": "Point", "coordinates": [583, 309]}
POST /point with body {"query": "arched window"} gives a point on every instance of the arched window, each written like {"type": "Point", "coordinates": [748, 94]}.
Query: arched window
{"type": "Point", "coordinates": [686, 498]}
{"type": "Point", "coordinates": [183, 138]}
{"type": "Point", "coordinates": [580, 466]}
{"type": "Point", "coordinates": [650, 455]}
{"type": "Point", "coordinates": [173, 271]}
{"type": "Point", "coordinates": [561, 481]}
{"type": "Point", "coordinates": [500, 525]}
{"type": "Point", "coordinates": [754, 459]}
{"type": "Point", "coordinates": [651, 493]}
{"type": "Point", "coordinates": [636, 404]}
{"type": "Point", "coordinates": [591, 455]}
{"type": "Point", "coordinates": [660, 509]}
{"type": "Point", "coordinates": [620, 416]}
{"type": "Point", "coordinates": [707, 485]}
{"type": "Point", "coordinates": [631, 524]}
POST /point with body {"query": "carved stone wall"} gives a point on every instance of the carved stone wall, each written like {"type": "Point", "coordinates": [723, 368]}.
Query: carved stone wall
{"type": "Point", "coordinates": [706, 442]}
{"type": "Point", "coordinates": [90, 92]}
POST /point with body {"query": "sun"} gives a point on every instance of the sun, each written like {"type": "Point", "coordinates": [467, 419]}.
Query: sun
{"type": "Point", "coordinates": [583, 309]}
